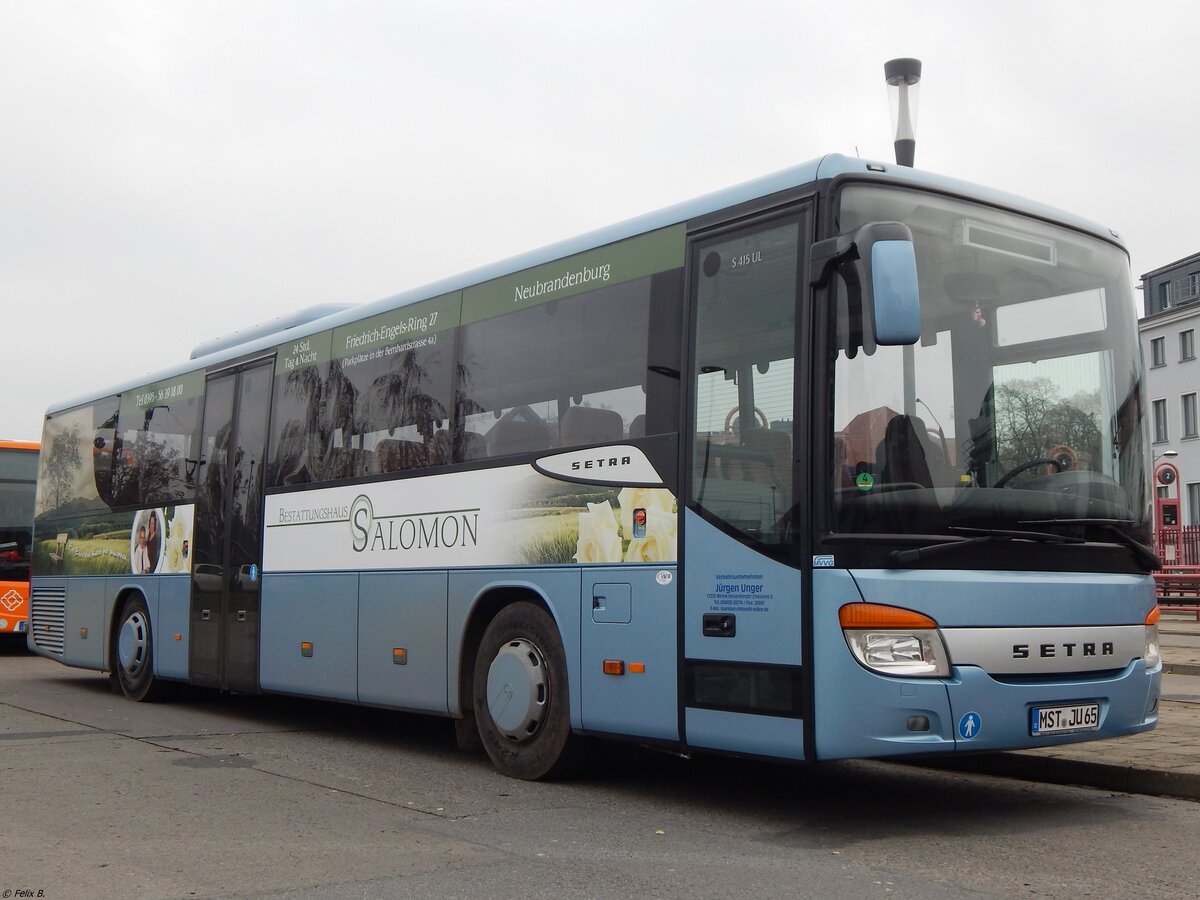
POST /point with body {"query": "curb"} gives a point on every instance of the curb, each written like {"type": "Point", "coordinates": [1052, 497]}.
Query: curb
{"type": "Point", "coordinates": [1058, 770]}
{"type": "Point", "coordinates": [1181, 668]}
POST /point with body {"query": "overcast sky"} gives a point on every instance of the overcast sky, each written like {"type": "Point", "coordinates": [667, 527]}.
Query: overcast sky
{"type": "Point", "coordinates": [173, 171]}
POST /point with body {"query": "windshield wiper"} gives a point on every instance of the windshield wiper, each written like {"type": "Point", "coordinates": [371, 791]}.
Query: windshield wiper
{"type": "Point", "coordinates": [1141, 552]}
{"type": "Point", "coordinates": [982, 535]}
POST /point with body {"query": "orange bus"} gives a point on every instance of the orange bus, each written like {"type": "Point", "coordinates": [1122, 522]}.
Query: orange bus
{"type": "Point", "coordinates": [18, 483]}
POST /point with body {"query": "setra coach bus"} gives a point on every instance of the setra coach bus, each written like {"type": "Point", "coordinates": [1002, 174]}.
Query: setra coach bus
{"type": "Point", "coordinates": [848, 461]}
{"type": "Point", "coordinates": [18, 483]}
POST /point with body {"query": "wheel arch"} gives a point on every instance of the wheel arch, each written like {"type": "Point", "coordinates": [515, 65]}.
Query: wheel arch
{"type": "Point", "coordinates": [114, 616]}
{"type": "Point", "coordinates": [487, 604]}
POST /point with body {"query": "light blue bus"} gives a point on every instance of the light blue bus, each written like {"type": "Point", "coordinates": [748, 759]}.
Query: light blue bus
{"type": "Point", "coordinates": [849, 461]}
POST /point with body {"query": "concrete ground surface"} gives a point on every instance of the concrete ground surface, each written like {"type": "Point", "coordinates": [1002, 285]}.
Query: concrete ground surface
{"type": "Point", "coordinates": [1165, 761]}
{"type": "Point", "coordinates": [275, 797]}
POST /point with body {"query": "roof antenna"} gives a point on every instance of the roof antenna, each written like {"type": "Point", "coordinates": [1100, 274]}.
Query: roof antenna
{"type": "Point", "coordinates": [901, 75]}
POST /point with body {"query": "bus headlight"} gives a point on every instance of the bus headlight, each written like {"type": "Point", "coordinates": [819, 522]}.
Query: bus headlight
{"type": "Point", "coordinates": [1150, 655]}
{"type": "Point", "coordinates": [894, 641]}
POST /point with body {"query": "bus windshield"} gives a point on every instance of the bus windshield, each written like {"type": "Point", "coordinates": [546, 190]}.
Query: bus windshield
{"type": "Point", "coordinates": [18, 477]}
{"type": "Point", "coordinates": [1019, 410]}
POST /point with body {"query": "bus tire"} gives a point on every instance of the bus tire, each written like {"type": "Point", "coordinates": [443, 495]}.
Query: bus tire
{"type": "Point", "coordinates": [132, 652]}
{"type": "Point", "coordinates": [521, 698]}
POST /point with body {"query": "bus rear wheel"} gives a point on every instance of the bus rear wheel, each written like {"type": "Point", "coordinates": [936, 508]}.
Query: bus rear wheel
{"type": "Point", "coordinates": [133, 653]}
{"type": "Point", "coordinates": [522, 707]}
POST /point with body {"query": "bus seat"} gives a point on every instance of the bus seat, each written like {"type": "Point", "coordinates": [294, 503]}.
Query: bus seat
{"type": "Point", "coordinates": [440, 452]}
{"type": "Point", "coordinates": [520, 430]}
{"type": "Point", "coordinates": [843, 474]}
{"type": "Point", "coordinates": [396, 456]}
{"type": "Point", "coordinates": [776, 444]}
{"type": "Point", "coordinates": [900, 457]}
{"type": "Point", "coordinates": [637, 426]}
{"type": "Point", "coordinates": [443, 450]}
{"type": "Point", "coordinates": [471, 445]}
{"type": "Point", "coordinates": [348, 462]}
{"type": "Point", "coordinates": [590, 425]}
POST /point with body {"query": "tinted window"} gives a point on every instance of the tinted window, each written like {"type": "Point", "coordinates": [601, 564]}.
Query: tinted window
{"type": "Point", "coordinates": [18, 465]}
{"type": "Point", "coordinates": [76, 458]}
{"type": "Point", "coordinates": [746, 289]}
{"type": "Point", "coordinates": [18, 474]}
{"type": "Point", "coordinates": [300, 424]}
{"type": "Point", "coordinates": [367, 398]}
{"type": "Point", "coordinates": [563, 373]}
{"type": "Point", "coordinates": [389, 410]}
{"type": "Point", "coordinates": [299, 428]}
{"type": "Point", "coordinates": [154, 458]}
{"type": "Point", "coordinates": [560, 355]}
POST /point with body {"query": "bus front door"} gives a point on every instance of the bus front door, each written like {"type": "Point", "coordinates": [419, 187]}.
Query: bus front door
{"type": "Point", "coordinates": [224, 617]}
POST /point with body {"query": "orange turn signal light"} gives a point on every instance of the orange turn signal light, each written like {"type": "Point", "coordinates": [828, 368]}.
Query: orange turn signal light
{"type": "Point", "coordinates": [614, 667]}
{"type": "Point", "coordinates": [637, 668]}
{"type": "Point", "coordinates": [1153, 616]}
{"type": "Point", "coordinates": [878, 616]}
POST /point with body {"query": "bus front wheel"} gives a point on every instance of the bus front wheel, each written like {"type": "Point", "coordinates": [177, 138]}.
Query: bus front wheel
{"type": "Point", "coordinates": [520, 695]}
{"type": "Point", "coordinates": [132, 667]}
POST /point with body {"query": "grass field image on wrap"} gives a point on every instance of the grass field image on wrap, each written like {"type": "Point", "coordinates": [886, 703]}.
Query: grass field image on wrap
{"type": "Point", "coordinates": [562, 523]}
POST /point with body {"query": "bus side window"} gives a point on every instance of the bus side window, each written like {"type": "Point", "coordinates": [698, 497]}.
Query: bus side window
{"type": "Point", "coordinates": [568, 372]}
{"type": "Point", "coordinates": [104, 415]}
{"type": "Point", "coordinates": [299, 432]}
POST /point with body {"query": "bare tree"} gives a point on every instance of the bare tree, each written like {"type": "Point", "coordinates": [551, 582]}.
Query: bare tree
{"type": "Point", "coordinates": [63, 461]}
{"type": "Point", "coordinates": [1032, 419]}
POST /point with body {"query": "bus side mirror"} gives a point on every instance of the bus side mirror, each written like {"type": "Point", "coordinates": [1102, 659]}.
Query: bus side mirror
{"type": "Point", "coordinates": [879, 266]}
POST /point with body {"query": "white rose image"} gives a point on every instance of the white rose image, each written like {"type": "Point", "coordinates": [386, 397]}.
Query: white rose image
{"type": "Point", "coordinates": [661, 543]}
{"type": "Point", "coordinates": [599, 541]}
{"type": "Point", "coordinates": [178, 534]}
{"type": "Point", "coordinates": [649, 499]}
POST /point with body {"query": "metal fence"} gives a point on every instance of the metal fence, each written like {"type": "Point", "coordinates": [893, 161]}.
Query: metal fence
{"type": "Point", "coordinates": [1178, 546]}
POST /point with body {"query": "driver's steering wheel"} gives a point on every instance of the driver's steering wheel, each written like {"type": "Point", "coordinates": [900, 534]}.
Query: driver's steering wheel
{"type": "Point", "coordinates": [1061, 459]}
{"type": "Point", "coordinates": [735, 414]}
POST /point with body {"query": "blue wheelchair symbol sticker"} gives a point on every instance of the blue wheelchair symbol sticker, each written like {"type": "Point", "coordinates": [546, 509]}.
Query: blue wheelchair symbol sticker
{"type": "Point", "coordinates": [970, 725]}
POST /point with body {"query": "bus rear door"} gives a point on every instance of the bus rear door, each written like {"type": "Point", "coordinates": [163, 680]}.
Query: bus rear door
{"type": "Point", "coordinates": [224, 618]}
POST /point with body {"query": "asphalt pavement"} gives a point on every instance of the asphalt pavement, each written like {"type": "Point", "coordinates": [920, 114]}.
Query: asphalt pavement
{"type": "Point", "coordinates": [1165, 761]}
